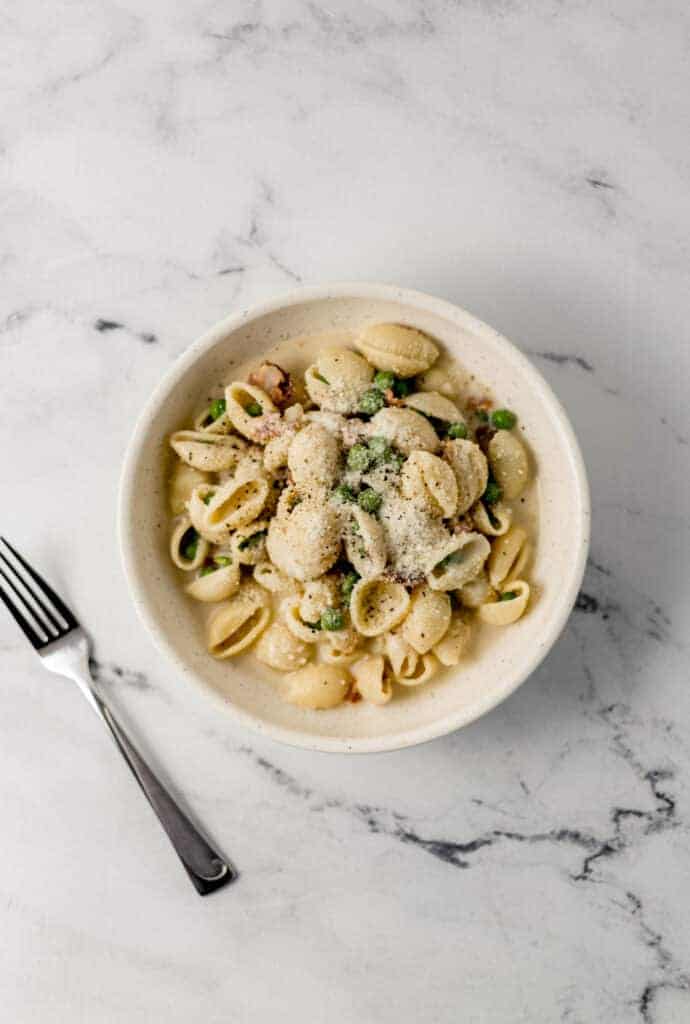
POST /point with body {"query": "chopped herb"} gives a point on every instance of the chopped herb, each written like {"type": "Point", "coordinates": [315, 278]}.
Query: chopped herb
{"type": "Point", "coordinates": [503, 419]}
{"type": "Point", "coordinates": [253, 540]}
{"type": "Point", "coordinates": [371, 401]}
{"type": "Point", "coordinates": [347, 585]}
{"type": "Point", "coordinates": [492, 494]}
{"type": "Point", "coordinates": [222, 560]}
{"type": "Point", "coordinates": [206, 569]}
{"type": "Point", "coordinates": [482, 415]}
{"type": "Point", "coordinates": [216, 408]}
{"type": "Point", "coordinates": [207, 497]}
{"type": "Point", "coordinates": [457, 430]}
{"type": "Point", "coordinates": [189, 544]}
{"type": "Point", "coordinates": [345, 493]}
{"type": "Point", "coordinates": [314, 625]}
{"type": "Point", "coordinates": [253, 409]}
{"type": "Point", "coordinates": [508, 595]}
{"type": "Point", "coordinates": [331, 618]}
{"type": "Point", "coordinates": [384, 380]}
{"type": "Point", "coordinates": [369, 500]}
{"type": "Point", "coordinates": [319, 376]}
{"type": "Point", "coordinates": [358, 457]}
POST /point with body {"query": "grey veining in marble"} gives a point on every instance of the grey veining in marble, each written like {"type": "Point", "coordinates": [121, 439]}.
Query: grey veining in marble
{"type": "Point", "coordinates": [164, 164]}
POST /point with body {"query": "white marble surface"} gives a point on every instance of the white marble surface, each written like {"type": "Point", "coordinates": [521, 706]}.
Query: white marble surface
{"type": "Point", "coordinates": [167, 163]}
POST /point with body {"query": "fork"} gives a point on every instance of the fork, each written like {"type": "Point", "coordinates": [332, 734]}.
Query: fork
{"type": "Point", "coordinates": [58, 639]}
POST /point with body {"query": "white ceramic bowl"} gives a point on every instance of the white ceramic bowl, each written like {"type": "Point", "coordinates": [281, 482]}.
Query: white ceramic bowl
{"type": "Point", "coordinates": [460, 695]}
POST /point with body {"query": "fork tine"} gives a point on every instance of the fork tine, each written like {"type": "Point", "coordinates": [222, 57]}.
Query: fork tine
{"type": "Point", "coordinates": [44, 608]}
{"type": "Point", "coordinates": [32, 611]}
{"type": "Point", "coordinates": [36, 641]}
{"type": "Point", "coordinates": [47, 590]}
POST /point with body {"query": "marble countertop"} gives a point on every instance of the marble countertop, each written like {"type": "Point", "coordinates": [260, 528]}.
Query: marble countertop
{"type": "Point", "coordinates": [165, 164]}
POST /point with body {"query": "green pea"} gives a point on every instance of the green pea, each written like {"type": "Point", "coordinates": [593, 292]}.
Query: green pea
{"type": "Point", "coordinates": [402, 388]}
{"type": "Point", "coordinates": [508, 595]}
{"type": "Point", "coordinates": [222, 560]}
{"type": "Point", "coordinates": [492, 494]}
{"type": "Point", "coordinates": [369, 500]}
{"type": "Point", "coordinates": [457, 430]}
{"type": "Point", "coordinates": [371, 401]}
{"type": "Point", "coordinates": [347, 585]}
{"type": "Point", "coordinates": [331, 618]}
{"type": "Point", "coordinates": [253, 540]}
{"type": "Point", "coordinates": [503, 419]}
{"type": "Point", "coordinates": [216, 408]}
{"type": "Point", "coordinates": [206, 569]}
{"type": "Point", "coordinates": [358, 457]}
{"type": "Point", "coordinates": [345, 493]}
{"type": "Point", "coordinates": [384, 380]}
{"type": "Point", "coordinates": [378, 446]}
{"type": "Point", "coordinates": [253, 409]}
{"type": "Point", "coordinates": [189, 544]}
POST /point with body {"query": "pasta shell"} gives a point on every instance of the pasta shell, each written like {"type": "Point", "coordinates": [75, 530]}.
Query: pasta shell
{"type": "Point", "coordinates": [236, 504]}
{"type": "Point", "coordinates": [268, 576]}
{"type": "Point", "coordinates": [377, 606]}
{"type": "Point", "coordinates": [402, 657]}
{"type": "Point", "coordinates": [509, 463]}
{"type": "Point", "coordinates": [177, 544]}
{"type": "Point", "coordinates": [183, 480]}
{"type": "Point", "coordinates": [372, 680]}
{"type": "Point", "coordinates": [402, 350]}
{"type": "Point", "coordinates": [238, 398]}
{"type": "Point", "coordinates": [476, 592]}
{"type": "Point", "coordinates": [504, 612]}
{"type": "Point", "coordinates": [280, 649]}
{"type": "Point", "coordinates": [365, 544]}
{"type": "Point", "coordinates": [216, 585]}
{"type": "Point", "coordinates": [305, 544]}
{"type": "Point", "coordinates": [276, 451]}
{"type": "Point", "coordinates": [208, 452]}
{"type": "Point", "coordinates": [427, 620]}
{"type": "Point", "coordinates": [469, 464]}
{"type": "Point", "coordinates": [318, 595]}
{"type": "Point", "coordinates": [430, 403]}
{"type": "Point", "coordinates": [318, 686]}
{"type": "Point", "coordinates": [464, 558]}
{"type": "Point", "coordinates": [340, 642]}
{"type": "Point", "coordinates": [248, 544]}
{"type": "Point", "coordinates": [431, 482]}
{"type": "Point", "coordinates": [238, 622]}
{"type": "Point", "coordinates": [406, 429]}
{"type": "Point", "coordinates": [451, 648]}
{"type": "Point", "coordinates": [505, 554]}
{"type": "Point", "coordinates": [493, 520]}
{"type": "Point", "coordinates": [304, 630]}
{"type": "Point", "coordinates": [313, 459]}
{"type": "Point", "coordinates": [338, 380]}
{"type": "Point", "coordinates": [204, 421]}
{"type": "Point", "coordinates": [426, 667]}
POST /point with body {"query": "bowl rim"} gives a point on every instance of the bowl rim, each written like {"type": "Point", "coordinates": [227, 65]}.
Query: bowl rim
{"type": "Point", "coordinates": [349, 290]}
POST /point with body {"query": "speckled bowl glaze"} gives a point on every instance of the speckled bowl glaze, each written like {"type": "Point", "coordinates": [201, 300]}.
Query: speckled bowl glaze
{"type": "Point", "coordinates": [458, 696]}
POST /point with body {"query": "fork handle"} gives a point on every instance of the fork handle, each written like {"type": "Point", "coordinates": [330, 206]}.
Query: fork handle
{"type": "Point", "coordinates": [206, 868]}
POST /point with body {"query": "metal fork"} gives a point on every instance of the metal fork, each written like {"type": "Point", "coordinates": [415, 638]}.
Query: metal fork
{"type": "Point", "coordinates": [62, 645]}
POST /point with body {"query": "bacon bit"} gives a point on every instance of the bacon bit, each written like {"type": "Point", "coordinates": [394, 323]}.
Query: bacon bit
{"type": "Point", "coordinates": [354, 696]}
{"type": "Point", "coordinates": [473, 404]}
{"type": "Point", "coordinates": [275, 381]}
{"type": "Point", "coordinates": [391, 398]}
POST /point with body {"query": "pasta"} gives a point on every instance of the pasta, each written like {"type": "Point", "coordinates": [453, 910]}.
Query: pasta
{"type": "Point", "coordinates": [318, 686]}
{"type": "Point", "coordinates": [355, 539]}
{"type": "Point", "coordinates": [372, 679]}
{"type": "Point", "coordinates": [427, 620]}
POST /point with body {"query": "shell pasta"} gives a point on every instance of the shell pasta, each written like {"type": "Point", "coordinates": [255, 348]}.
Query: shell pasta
{"type": "Point", "coordinates": [355, 521]}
